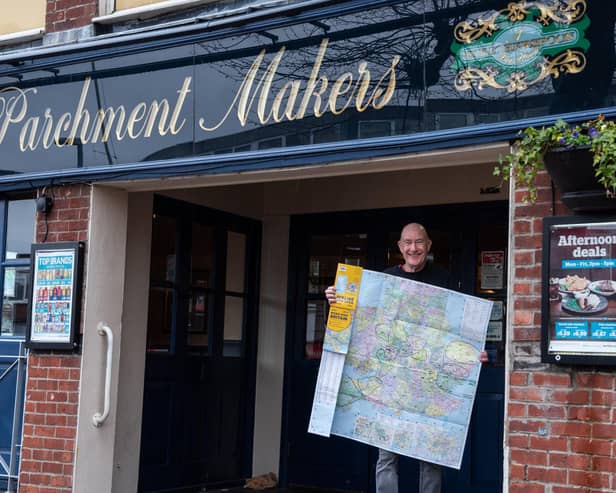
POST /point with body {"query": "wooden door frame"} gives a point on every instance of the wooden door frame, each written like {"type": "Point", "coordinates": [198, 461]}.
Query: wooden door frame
{"type": "Point", "coordinates": [381, 222]}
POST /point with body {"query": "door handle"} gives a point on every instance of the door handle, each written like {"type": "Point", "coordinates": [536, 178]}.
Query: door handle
{"type": "Point", "coordinates": [103, 330]}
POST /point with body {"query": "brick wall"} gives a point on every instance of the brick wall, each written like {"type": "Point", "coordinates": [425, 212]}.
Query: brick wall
{"type": "Point", "coordinates": [68, 218]}
{"type": "Point", "coordinates": [52, 386]}
{"type": "Point", "coordinates": [50, 423]}
{"type": "Point", "coordinates": [561, 420]}
{"type": "Point", "coordinates": [69, 14]}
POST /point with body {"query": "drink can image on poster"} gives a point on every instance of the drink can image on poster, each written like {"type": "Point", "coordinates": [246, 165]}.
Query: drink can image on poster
{"type": "Point", "coordinates": [580, 289]}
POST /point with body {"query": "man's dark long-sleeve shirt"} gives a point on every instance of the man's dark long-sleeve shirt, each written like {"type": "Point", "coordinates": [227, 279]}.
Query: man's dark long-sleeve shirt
{"type": "Point", "coordinates": [430, 274]}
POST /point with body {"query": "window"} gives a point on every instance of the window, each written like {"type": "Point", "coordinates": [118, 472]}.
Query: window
{"type": "Point", "coordinates": [162, 278]}
{"type": "Point", "coordinates": [126, 9]}
{"type": "Point", "coordinates": [202, 287]}
{"type": "Point", "coordinates": [30, 16]}
{"type": "Point", "coordinates": [376, 128]}
{"type": "Point", "coordinates": [18, 218]}
{"type": "Point", "coordinates": [129, 4]}
{"type": "Point", "coordinates": [235, 294]}
{"type": "Point", "coordinates": [450, 120]}
{"type": "Point", "coordinates": [326, 251]}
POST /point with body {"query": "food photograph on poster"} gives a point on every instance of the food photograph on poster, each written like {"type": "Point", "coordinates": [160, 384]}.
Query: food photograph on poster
{"type": "Point", "coordinates": [579, 286]}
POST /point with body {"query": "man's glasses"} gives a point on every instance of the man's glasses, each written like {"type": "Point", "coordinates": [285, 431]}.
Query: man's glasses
{"type": "Point", "coordinates": [410, 242]}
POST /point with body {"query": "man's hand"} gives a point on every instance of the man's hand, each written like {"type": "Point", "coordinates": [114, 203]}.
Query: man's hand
{"type": "Point", "coordinates": [330, 294]}
{"type": "Point", "coordinates": [483, 357]}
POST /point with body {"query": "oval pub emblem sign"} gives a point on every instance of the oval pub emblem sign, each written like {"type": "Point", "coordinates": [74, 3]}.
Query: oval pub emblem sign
{"type": "Point", "coordinates": [518, 46]}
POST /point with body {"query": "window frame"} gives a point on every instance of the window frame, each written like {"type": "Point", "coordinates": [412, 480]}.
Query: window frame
{"type": "Point", "coordinates": [109, 15]}
{"type": "Point", "coordinates": [24, 263]}
{"type": "Point", "coordinates": [25, 32]}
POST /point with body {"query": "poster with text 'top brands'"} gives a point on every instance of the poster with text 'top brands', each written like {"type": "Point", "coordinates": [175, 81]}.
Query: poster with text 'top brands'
{"type": "Point", "coordinates": [55, 277]}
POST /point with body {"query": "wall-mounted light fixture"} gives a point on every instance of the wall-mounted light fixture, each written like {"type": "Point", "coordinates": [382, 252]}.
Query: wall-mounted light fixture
{"type": "Point", "coordinates": [44, 202]}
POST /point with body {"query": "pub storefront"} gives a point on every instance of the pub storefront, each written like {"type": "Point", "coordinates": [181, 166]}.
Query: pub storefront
{"type": "Point", "coordinates": [209, 178]}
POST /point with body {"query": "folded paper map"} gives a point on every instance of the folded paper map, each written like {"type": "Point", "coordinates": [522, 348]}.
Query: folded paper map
{"type": "Point", "coordinates": [403, 374]}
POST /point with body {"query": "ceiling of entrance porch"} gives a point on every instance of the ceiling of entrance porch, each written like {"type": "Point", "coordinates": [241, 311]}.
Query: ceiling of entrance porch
{"type": "Point", "coordinates": [441, 158]}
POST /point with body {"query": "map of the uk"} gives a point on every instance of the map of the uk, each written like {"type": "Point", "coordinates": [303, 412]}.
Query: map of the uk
{"type": "Point", "coordinates": [408, 379]}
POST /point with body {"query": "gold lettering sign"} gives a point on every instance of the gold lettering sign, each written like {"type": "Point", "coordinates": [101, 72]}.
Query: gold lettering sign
{"type": "Point", "coordinates": [318, 93]}
{"type": "Point", "coordinates": [255, 96]}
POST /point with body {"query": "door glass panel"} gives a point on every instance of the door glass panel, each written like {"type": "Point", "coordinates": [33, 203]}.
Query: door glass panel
{"type": "Point", "coordinates": [198, 319]}
{"type": "Point", "coordinates": [20, 228]}
{"type": "Point", "coordinates": [163, 249]}
{"type": "Point", "coordinates": [491, 283]}
{"type": "Point", "coordinates": [15, 301]}
{"type": "Point", "coordinates": [236, 259]}
{"type": "Point", "coordinates": [326, 251]}
{"type": "Point", "coordinates": [159, 319]}
{"type": "Point", "coordinates": [234, 318]}
{"type": "Point", "coordinates": [315, 328]}
{"type": "Point", "coordinates": [202, 255]}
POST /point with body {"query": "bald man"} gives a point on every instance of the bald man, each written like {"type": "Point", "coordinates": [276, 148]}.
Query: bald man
{"type": "Point", "coordinates": [414, 245]}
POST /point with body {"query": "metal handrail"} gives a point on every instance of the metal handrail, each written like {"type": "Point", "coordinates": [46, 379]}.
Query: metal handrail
{"type": "Point", "coordinates": [8, 369]}
{"type": "Point", "coordinates": [99, 418]}
{"type": "Point", "coordinates": [10, 468]}
{"type": "Point", "coordinates": [17, 415]}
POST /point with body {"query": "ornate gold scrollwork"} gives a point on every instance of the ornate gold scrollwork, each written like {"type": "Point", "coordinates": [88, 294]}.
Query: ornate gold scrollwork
{"type": "Point", "coordinates": [475, 77]}
{"type": "Point", "coordinates": [469, 31]}
{"type": "Point", "coordinates": [571, 61]}
{"type": "Point", "coordinates": [516, 11]}
{"type": "Point", "coordinates": [519, 82]}
{"type": "Point", "coordinates": [564, 12]}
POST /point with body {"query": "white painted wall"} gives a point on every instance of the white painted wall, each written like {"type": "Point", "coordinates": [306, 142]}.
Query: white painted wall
{"type": "Point", "coordinates": [244, 200]}
{"type": "Point", "coordinates": [104, 295]}
{"type": "Point", "coordinates": [132, 344]}
{"type": "Point", "coordinates": [382, 190]}
{"type": "Point", "coordinates": [270, 357]}
{"type": "Point", "coordinates": [354, 192]}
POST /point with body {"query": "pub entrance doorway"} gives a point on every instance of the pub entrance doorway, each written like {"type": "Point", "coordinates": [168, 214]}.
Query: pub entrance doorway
{"type": "Point", "coordinates": [461, 234]}
{"type": "Point", "coordinates": [199, 388]}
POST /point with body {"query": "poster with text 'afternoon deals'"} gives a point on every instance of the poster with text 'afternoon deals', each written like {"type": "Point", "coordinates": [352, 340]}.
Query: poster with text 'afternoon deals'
{"type": "Point", "coordinates": [408, 379]}
{"type": "Point", "coordinates": [52, 292]}
{"type": "Point", "coordinates": [582, 288]}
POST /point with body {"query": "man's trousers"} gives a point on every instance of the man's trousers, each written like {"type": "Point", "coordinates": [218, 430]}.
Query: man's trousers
{"type": "Point", "coordinates": [387, 474]}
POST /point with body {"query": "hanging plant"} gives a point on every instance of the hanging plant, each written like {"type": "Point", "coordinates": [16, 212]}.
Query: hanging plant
{"type": "Point", "coordinates": [527, 158]}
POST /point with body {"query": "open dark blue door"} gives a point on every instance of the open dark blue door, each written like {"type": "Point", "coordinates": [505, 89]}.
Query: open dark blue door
{"type": "Point", "coordinates": [201, 349]}
{"type": "Point", "coordinates": [318, 242]}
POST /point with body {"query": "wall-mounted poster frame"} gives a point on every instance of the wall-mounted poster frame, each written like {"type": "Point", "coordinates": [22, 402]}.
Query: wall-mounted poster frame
{"type": "Point", "coordinates": [55, 301]}
{"type": "Point", "coordinates": [578, 292]}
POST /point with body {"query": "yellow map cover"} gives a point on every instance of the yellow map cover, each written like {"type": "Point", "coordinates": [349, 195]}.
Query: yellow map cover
{"type": "Point", "coordinates": [348, 279]}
